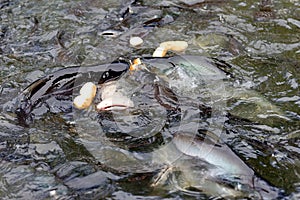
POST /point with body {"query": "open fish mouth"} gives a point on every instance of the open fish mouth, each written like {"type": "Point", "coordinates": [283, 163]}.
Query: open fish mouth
{"type": "Point", "coordinates": [115, 102]}
{"type": "Point", "coordinates": [113, 98]}
{"type": "Point", "coordinates": [114, 107]}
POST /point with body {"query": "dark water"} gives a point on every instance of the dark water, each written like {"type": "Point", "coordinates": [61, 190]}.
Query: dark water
{"type": "Point", "coordinates": [58, 158]}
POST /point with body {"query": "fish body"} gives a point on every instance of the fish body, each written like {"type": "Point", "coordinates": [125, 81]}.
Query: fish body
{"type": "Point", "coordinates": [195, 166]}
{"type": "Point", "coordinates": [219, 155]}
{"type": "Point", "coordinates": [193, 75]}
{"type": "Point", "coordinates": [60, 85]}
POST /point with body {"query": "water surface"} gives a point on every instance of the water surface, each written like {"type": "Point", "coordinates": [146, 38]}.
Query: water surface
{"type": "Point", "coordinates": [53, 158]}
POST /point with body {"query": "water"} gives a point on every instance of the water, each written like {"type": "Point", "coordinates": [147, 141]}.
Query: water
{"type": "Point", "coordinates": [55, 158]}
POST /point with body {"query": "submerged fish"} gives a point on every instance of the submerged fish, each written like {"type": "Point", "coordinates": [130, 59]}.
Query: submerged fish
{"type": "Point", "coordinates": [193, 75]}
{"type": "Point", "coordinates": [209, 167]}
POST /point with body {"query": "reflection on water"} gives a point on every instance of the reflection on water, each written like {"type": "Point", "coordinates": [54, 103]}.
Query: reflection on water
{"type": "Point", "coordinates": [62, 158]}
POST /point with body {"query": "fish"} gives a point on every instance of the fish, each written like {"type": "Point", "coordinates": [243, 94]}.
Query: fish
{"type": "Point", "coordinates": [219, 155]}
{"type": "Point", "coordinates": [189, 75]}
{"type": "Point", "coordinates": [61, 84]}
{"type": "Point", "coordinates": [210, 167]}
{"type": "Point", "coordinates": [118, 95]}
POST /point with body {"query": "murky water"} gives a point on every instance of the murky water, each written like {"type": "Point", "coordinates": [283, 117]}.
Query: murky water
{"type": "Point", "coordinates": [60, 157]}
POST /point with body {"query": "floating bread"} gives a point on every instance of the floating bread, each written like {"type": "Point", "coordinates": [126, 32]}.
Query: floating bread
{"type": "Point", "coordinates": [177, 46]}
{"type": "Point", "coordinates": [136, 41]}
{"type": "Point", "coordinates": [86, 97]}
{"type": "Point", "coordinates": [164, 47]}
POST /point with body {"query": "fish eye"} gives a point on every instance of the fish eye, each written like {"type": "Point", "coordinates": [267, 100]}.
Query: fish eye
{"type": "Point", "coordinates": [105, 75]}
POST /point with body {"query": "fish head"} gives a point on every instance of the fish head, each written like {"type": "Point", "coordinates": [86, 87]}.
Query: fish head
{"type": "Point", "coordinates": [117, 101]}
{"type": "Point", "coordinates": [114, 71]}
{"type": "Point", "coordinates": [142, 87]}
{"type": "Point", "coordinates": [115, 95]}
